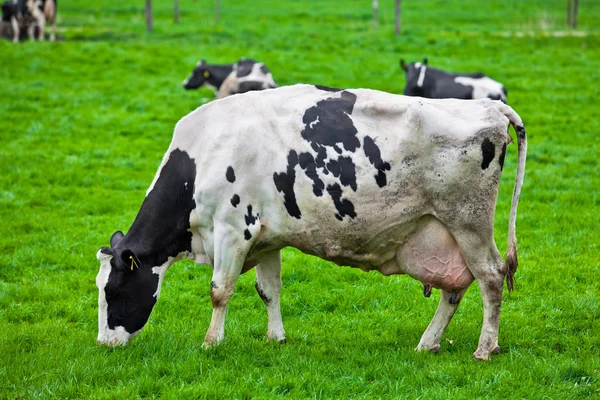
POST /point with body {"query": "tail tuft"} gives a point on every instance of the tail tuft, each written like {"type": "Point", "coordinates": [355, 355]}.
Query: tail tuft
{"type": "Point", "coordinates": [512, 262]}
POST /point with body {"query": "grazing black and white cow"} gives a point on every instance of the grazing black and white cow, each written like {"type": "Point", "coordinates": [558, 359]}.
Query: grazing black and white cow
{"type": "Point", "coordinates": [425, 81]}
{"type": "Point", "coordinates": [362, 178]}
{"type": "Point", "coordinates": [227, 79]}
{"type": "Point", "coordinates": [209, 75]}
{"type": "Point", "coordinates": [30, 14]}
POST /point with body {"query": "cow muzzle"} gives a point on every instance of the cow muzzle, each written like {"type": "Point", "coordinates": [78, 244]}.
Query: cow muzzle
{"type": "Point", "coordinates": [114, 337]}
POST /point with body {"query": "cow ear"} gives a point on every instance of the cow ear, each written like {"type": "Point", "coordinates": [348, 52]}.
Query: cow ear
{"type": "Point", "coordinates": [130, 259]}
{"type": "Point", "coordinates": [203, 62]}
{"type": "Point", "coordinates": [116, 238]}
{"type": "Point", "coordinates": [425, 61]}
{"type": "Point", "coordinates": [403, 64]}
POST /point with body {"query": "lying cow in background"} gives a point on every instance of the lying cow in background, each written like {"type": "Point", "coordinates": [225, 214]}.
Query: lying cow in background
{"type": "Point", "coordinates": [362, 178]}
{"type": "Point", "coordinates": [30, 14]}
{"type": "Point", "coordinates": [424, 81]}
{"type": "Point", "coordinates": [227, 79]}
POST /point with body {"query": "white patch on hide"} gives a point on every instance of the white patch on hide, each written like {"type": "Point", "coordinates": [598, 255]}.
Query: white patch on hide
{"type": "Point", "coordinates": [422, 76]}
{"type": "Point", "coordinates": [482, 87]}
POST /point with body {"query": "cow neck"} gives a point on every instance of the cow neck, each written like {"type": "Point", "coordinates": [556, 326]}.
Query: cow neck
{"type": "Point", "coordinates": [162, 227]}
{"type": "Point", "coordinates": [218, 74]}
{"type": "Point", "coordinates": [152, 237]}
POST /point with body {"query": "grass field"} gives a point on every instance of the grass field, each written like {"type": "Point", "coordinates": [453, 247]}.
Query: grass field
{"type": "Point", "coordinates": [85, 122]}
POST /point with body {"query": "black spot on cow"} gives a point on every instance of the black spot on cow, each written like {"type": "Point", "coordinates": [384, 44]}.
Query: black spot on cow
{"type": "Point", "coordinates": [264, 69]}
{"type": "Point", "coordinates": [374, 155]}
{"type": "Point", "coordinates": [521, 132]}
{"type": "Point", "coordinates": [502, 155]}
{"type": "Point", "coordinates": [321, 157]}
{"type": "Point", "coordinates": [160, 231]}
{"type": "Point", "coordinates": [235, 200]}
{"type": "Point", "coordinates": [213, 285]}
{"type": "Point", "coordinates": [247, 234]}
{"type": "Point", "coordinates": [344, 168]}
{"type": "Point", "coordinates": [308, 164]}
{"type": "Point", "coordinates": [343, 206]}
{"type": "Point", "coordinates": [244, 67]}
{"type": "Point", "coordinates": [327, 88]}
{"type": "Point", "coordinates": [230, 174]}
{"type": "Point", "coordinates": [328, 123]}
{"type": "Point", "coordinates": [250, 218]}
{"type": "Point", "coordinates": [284, 182]}
{"type": "Point", "coordinates": [488, 150]}
{"type": "Point", "coordinates": [328, 126]}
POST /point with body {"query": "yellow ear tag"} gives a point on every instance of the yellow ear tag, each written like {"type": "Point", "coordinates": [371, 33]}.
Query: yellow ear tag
{"type": "Point", "coordinates": [133, 263]}
{"type": "Point", "coordinates": [206, 74]}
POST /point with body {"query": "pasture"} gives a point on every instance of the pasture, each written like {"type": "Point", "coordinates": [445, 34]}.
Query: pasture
{"type": "Point", "coordinates": [86, 120]}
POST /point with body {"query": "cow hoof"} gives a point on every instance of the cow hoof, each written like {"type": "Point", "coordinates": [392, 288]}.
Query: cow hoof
{"type": "Point", "coordinates": [481, 356]}
{"type": "Point", "coordinates": [432, 349]}
{"type": "Point", "coordinates": [497, 350]}
{"type": "Point", "coordinates": [283, 341]}
{"type": "Point", "coordinates": [209, 343]}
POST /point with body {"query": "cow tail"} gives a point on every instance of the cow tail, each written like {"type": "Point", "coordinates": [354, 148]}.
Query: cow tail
{"type": "Point", "coordinates": [511, 252]}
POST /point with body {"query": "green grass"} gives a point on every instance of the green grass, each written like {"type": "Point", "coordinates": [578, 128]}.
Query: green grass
{"type": "Point", "coordinates": [85, 122]}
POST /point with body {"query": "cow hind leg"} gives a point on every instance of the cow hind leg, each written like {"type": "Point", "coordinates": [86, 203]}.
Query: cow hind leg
{"type": "Point", "coordinates": [488, 268]}
{"type": "Point", "coordinates": [449, 301]}
{"type": "Point", "coordinates": [229, 254]}
{"type": "Point", "coordinates": [268, 286]}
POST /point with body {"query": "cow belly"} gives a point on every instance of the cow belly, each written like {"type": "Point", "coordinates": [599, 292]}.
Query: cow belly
{"type": "Point", "coordinates": [431, 255]}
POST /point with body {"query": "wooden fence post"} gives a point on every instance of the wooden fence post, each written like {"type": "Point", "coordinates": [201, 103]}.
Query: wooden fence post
{"type": "Point", "coordinates": [148, 12]}
{"type": "Point", "coordinates": [376, 14]}
{"type": "Point", "coordinates": [398, 17]}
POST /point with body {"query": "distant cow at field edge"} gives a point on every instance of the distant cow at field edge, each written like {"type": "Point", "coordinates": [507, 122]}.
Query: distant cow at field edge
{"type": "Point", "coordinates": [29, 14]}
{"type": "Point", "coordinates": [425, 81]}
{"type": "Point", "coordinates": [227, 79]}
{"type": "Point", "coordinates": [367, 179]}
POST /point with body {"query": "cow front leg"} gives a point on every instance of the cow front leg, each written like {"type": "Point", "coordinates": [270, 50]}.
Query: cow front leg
{"type": "Point", "coordinates": [449, 302]}
{"type": "Point", "coordinates": [268, 286]}
{"type": "Point", "coordinates": [229, 254]}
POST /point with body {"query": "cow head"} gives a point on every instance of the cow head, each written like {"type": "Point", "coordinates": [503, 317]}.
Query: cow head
{"type": "Point", "coordinates": [415, 77]}
{"type": "Point", "coordinates": [128, 288]}
{"type": "Point", "coordinates": [199, 76]}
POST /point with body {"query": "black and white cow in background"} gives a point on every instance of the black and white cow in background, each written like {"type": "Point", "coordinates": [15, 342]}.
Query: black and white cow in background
{"type": "Point", "coordinates": [425, 81]}
{"type": "Point", "coordinates": [227, 79]}
{"type": "Point", "coordinates": [362, 178]}
{"type": "Point", "coordinates": [29, 14]}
